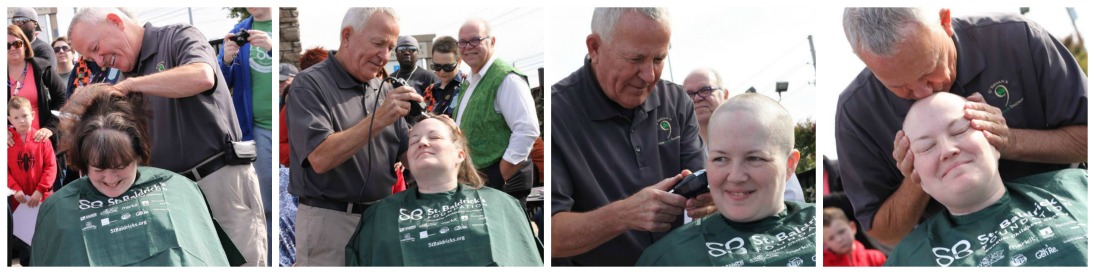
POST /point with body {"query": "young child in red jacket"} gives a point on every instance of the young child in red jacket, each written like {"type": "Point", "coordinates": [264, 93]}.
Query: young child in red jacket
{"type": "Point", "coordinates": [841, 248]}
{"type": "Point", "coordinates": [32, 166]}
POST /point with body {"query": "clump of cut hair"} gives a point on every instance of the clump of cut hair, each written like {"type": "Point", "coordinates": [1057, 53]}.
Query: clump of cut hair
{"type": "Point", "coordinates": [110, 132]}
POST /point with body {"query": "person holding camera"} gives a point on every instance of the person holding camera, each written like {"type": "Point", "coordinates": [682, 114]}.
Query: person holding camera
{"type": "Point", "coordinates": [193, 127]}
{"type": "Point", "coordinates": [247, 66]}
{"type": "Point", "coordinates": [346, 130]}
{"type": "Point", "coordinates": [496, 111]}
{"type": "Point", "coordinates": [621, 137]}
{"type": "Point", "coordinates": [747, 171]}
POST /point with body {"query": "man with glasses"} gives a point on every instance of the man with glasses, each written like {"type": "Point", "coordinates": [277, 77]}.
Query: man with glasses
{"type": "Point", "coordinates": [27, 20]}
{"type": "Point", "coordinates": [496, 112]}
{"type": "Point", "coordinates": [446, 65]}
{"type": "Point", "coordinates": [406, 51]}
{"type": "Point", "coordinates": [621, 137]}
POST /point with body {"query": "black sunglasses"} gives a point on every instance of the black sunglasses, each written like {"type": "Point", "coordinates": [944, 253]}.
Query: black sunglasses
{"type": "Point", "coordinates": [21, 20]}
{"type": "Point", "coordinates": [406, 49]}
{"type": "Point", "coordinates": [704, 92]}
{"type": "Point", "coordinates": [446, 67]}
{"type": "Point", "coordinates": [61, 48]}
{"type": "Point", "coordinates": [15, 44]}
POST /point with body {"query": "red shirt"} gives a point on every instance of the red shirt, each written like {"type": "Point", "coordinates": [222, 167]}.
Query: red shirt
{"type": "Point", "coordinates": [860, 256]}
{"type": "Point", "coordinates": [31, 166]}
{"type": "Point", "coordinates": [283, 140]}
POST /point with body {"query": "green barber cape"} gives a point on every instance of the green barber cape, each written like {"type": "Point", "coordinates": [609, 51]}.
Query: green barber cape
{"type": "Point", "coordinates": [162, 220]}
{"type": "Point", "coordinates": [1040, 221]}
{"type": "Point", "coordinates": [462, 227]}
{"type": "Point", "coordinates": [786, 239]}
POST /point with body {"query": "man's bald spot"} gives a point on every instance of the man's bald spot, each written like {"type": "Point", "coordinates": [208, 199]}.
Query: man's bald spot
{"type": "Point", "coordinates": [480, 24]}
{"type": "Point", "coordinates": [780, 125]}
{"type": "Point", "coordinates": [708, 73]}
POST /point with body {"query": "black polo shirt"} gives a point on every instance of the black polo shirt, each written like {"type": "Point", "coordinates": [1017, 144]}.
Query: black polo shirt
{"type": "Point", "coordinates": [1015, 64]}
{"type": "Point", "coordinates": [602, 153]}
{"type": "Point", "coordinates": [185, 131]}
{"type": "Point", "coordinates": [327, 99]}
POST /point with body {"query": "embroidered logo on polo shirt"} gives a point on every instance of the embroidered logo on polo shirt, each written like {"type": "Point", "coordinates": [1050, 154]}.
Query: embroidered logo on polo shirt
{"type": "Point", "coordinates": [665, 126]}
{"type": "Point", "coordinates": [160, 67]}
{"type": "Point", "coordinates": [1000, 89]}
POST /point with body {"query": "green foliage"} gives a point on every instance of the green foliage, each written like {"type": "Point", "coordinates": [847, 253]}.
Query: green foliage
{"type": "Point", "coordinates": [806, 144]}
{"type": "Point", "coordinates": [238, 13]}
{"type": "Point", "coordinates": [1075, 45]}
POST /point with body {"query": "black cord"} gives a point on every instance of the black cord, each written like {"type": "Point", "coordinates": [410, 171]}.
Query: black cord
{"type": "Point", "coordinates": [369, 144]}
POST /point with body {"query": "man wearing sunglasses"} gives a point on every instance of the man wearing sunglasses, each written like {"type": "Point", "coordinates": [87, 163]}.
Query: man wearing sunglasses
{"type": "Point", "coordinates": [495, 110]}
{"type": "Point", "coordinates": [446, 65]}
{"type": "Point", "coordinates": [406, 51]}
{"type": "Point", "coordinates": [27, 20]}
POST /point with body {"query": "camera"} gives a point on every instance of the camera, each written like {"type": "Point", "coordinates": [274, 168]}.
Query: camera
{"type": "Point", "coordinates": [241, 37]}
{"type": "Point", "coordinates": [692, 186]}
{"type": "Point", "coordinates": [416, 107]}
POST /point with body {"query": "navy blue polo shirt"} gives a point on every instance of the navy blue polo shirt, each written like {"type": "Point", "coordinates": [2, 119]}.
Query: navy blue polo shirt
{"type": "Point", "coordinates": [602, 153]}
{"type": "Point", "coordinates": [1015, 64]}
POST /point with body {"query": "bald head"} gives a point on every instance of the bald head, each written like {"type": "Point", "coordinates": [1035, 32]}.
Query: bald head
{"type": "Point", "coordinates": [758, 109]}
{"type": "Point", "coordinates": [707, 76]}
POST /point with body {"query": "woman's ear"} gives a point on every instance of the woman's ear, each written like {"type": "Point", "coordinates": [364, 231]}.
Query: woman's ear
{"type": "Point", "coordinates": [792, 162]}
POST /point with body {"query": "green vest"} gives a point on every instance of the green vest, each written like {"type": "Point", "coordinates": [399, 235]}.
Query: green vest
{"type": "Point", "coordinates": [483, 126]}
{"type": "Point", "coordinates": [1040, 221]}
{"type": "Point", "coordinates": [162, 220]}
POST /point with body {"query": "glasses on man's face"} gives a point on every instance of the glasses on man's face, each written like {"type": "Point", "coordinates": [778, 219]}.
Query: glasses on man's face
{"type": "Point", "coordinates": [473, 42]}
{"type": "Point", "coordinates": [445, 67]}
{"type": "Point", "coordinates": [61, 49]}
{"type": "Point", "coordinates": [20, 20]}
{"type": "Point", "coordinates": [703, 92]}
{"type": "Point", "coordinates": [406, 49]}
{"type": "Point", "coordinates": [16, 44]}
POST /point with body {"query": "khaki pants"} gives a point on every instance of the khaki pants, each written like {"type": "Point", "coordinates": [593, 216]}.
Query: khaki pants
{"type": "Point", "coordinates": [234, 197]}
{"type": "Point", "coordinates": [322, 235]}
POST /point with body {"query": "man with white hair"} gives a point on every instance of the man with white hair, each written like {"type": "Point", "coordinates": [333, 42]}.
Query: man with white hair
{"type": "Point", "coordinates": [704, 86]}
{"type": "Point", "coordinates": [193, 127]}
{"type": "Point", "coordinates": [621, 138]}
{"type": "Point", "coordinates": [1027, 94]}
{"type": "Point", "coordinates": [346, 130]}
{"type": "Point", "coordinates": [496, 112]}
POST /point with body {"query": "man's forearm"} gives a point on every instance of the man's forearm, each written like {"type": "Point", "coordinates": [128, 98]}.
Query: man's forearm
{"type": "Point", "coordinates": [900, 213]}
{"type": "Point", "coordinates": [179, 82]}
{"type": "Point", "coordinates": [1058, 146]}
{"type": "Point", "coordinates": [574, 233]}
{"type": "Point", "coordinates": [340, 146]}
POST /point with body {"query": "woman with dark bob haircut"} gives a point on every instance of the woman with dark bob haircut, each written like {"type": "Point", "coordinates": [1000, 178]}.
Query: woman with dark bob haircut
{"type": "Point", "coordinates": [122, 213]}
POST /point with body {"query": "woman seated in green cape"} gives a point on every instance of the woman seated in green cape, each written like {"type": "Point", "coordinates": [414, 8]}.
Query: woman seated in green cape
{"type": "Point", "coordinates": [747, 171]}
{"type": "Point", "coordinates": [449, 218]}
{"type": "Point", "coordinates": [1037, 220]}
{"type": "Point", "coordinates": [122, 213]}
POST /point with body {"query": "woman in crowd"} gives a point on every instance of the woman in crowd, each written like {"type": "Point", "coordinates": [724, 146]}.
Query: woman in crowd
{"type": "Point", "coordinates": [35, 79]}
{"type": "Point", "coordinates": [65, 57]}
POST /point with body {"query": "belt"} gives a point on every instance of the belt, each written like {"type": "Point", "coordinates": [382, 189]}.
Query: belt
{"type": "Point", "coordinates": [205, 168]}
{"type": "Point", "coordinates": [351, 208]}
